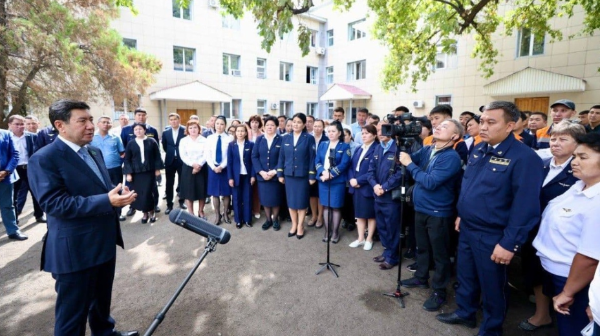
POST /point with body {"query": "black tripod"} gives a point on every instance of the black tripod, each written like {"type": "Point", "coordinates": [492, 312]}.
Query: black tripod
{"type": "Point", "coordinates": [210, 247]}
{"type": "Point", "coordinates": [328, 265]}
{"type": "Point", "coordinates": [398, 294]}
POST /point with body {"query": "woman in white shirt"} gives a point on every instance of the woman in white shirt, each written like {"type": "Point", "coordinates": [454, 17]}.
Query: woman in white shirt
{"type": "Point", "coordinates": [215, 155]}
{"type": "Point", "coordinates": [569, 236]}
{"type": "Point", "coordinates": [193, 172]}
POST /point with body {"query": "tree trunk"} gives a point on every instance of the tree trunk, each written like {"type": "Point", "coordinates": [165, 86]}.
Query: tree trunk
{"type": "Point", "coordinates": [3, 62]}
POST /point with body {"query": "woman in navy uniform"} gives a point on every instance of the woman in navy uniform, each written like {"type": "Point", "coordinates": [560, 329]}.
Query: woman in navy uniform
{"type": "Point", "coordinates": [264, 161]}
{"type": "Point", "coordinates": [362, 193]}
{"type": "Point", "coordinates": [296, 169]}
{"type": "Point", "coordinates": [332, 179]}
{"type": "Point", "coordinates": [216, 158]}
{"type": "Point", "coordinates": [316, 208]}
{"type": "Point", "coordinates": [558, 178]}
{"type": "Point", "coordinates": [241, 176]}
{"type": "Point", "coordinates": [384, 175]}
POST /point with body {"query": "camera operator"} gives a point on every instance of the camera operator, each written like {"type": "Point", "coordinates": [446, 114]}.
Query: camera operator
{"type": "Point", "coordinates": [436, 170]}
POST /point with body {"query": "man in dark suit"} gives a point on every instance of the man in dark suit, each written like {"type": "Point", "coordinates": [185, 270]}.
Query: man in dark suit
{"type": "Point", "coordinates": [9, 158]}
{"type": "Point", "coordinates": [73, 187]}
{"type": "Point", "coordinates": [24, 143]}
{"type": "Point", "coordinates": [170, 144]}
{"type": "Point", "coordinates": [45, 137]}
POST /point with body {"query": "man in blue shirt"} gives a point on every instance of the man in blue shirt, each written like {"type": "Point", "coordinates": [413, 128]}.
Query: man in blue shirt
{"type": "Point", "coordinates": [361, 121]}
{"type": "Point", "coordinates": [112, 151]}
{"type": "Point", "coordinates": [499, 203]}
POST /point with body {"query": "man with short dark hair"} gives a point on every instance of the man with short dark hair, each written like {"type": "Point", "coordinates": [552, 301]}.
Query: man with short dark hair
{"type": "Point", "coordinates": [340, 115]}
{"type": "Point", "coordinates": [594, 120]}
{"type": "Point", "coordinates": [71, 182]}
{"type": "Point", "coordinates": [520, 132]}
{"type": "Point", "coordinates": [281, 120]}
{"type": "Point", "coordinates": [499, 204]}
{"type": "Point", "coordinates": [173, 164]}
{"type": "Point", "coordinates": [140, 118]}
{"type": "Point", "coordinates": [464, 117]}
{"type": "Point", "coordinates": [537, 120]}
{"type": "Point", "coordinates": [400, 110]}
{"type": "Point", "coordinates": [583, 118]}
{"type": "Point", "coordinates": [210, 126]}
{"type": "Point", "coordinates": [24, 143]}
{"type": "Point", "coordinates": [373, 119]}
{"type": "Point", "coordinates": [361, 121]}
{"type": "Point", "coordinates": [32, 124]}
{"type": "Point", "coordinates": [437, 115]}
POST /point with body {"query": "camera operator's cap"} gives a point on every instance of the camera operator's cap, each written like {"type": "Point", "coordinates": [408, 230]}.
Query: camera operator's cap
{"type": "Point", "coordinates": [565, 102]}
{"type": "Point", "coordinates": [481, 108]}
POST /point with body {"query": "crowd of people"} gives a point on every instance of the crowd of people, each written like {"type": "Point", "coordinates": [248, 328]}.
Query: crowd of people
{"type": "Point", "coordinates": [482, 188]}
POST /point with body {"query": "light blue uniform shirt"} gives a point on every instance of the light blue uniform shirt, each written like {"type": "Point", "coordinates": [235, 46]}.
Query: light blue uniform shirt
{"type": "Point", "coordinates": [111, 147]}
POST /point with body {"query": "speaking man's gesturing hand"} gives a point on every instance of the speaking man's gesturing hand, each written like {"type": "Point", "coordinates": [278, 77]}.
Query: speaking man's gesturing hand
{"type": "Point", "coordinates": [125, 198]}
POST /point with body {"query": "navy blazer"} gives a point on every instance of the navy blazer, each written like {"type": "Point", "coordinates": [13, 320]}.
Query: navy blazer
{"type": "Point", "coordinates": [299, 160]}
{"type": "Point", "coordinates": [385, 171]}
{"type": "Point", "coordinates": [127, 134]}
{"type": "Point", "coordinates": [234, 161]}
{"type": "Point", "coordinates": [83, 227]}
{"type": "Point", "coordinates": [9, 157]}
{"type": "Point", "coordinates": [45, 136]}
{"type": "Point", "coordinates": [169, 146]}
{"type": "Point", "coordinates": [30, 139]}
{"type": "Point", "coordinates": [558, 185]}
{"type": "Point", "coordinates": [361, 175]}
{"type": "Point", "coordinates": [342, 161]}
{"type": "Point", "coordinates": [263, 158]}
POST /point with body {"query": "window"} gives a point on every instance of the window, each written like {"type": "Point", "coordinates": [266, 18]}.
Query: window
{"type": "Point", "coordinates": [330, 106]}
{"type": "Point", "coordinates": [312, 108]}
{"type": "Point", "coordinates": [530, 44]}
{"type": "Point", "coordinates": [231, 65]}
{"type": "Point", "coordinates": [226, 109]}
{"type": "Point", "coordinates": [286, 71]}
{"type": "Point", "coordinates": [130, 43]}
{"type": "Point", "coordinates": [184, 59]}
{"type": "Point", "coordinates": [127, 106]}
{"type": "Point", "coordinates": [443, 100]}
{"type": "Point", "coordinates": [357, 70]}
{"type": "Point", "coordinates": [444, 60]}
{"type": "Point", "coordinates": [286, 108]}
{"type": "Point", "coordinates": [329, 72]}
{"type": "Point", "coordinates": [330, 37]}
{"type": "Point", "coordinates": [261, 68]}
{"type": "Point", "coordinates": [180, 12]}
{"type": "Point", "coordinates": [312, 75]}
{"type": "Point", "coordinates": [261, 107]}
{"type": "Point", "coordinates": [230, 22]}
{"type": "Point", "coordinates": [314, 38]}
{"type": "Point", "coordinates": [357, 30]}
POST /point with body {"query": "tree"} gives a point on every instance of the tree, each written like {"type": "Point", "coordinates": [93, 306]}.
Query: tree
{"type": "Point", "coordinates": [415, 31]}
{"type": "Point", "coordinates": [58, 49]}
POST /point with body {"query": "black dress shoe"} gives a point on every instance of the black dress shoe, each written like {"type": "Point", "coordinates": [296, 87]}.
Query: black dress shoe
{"type": "Point", "coordinates": [300, 236]}
{"type": "Point", "coordinates": [130, 212]}
{"type": "Point", "coordinates": [153, 219]}
{"type": "Point", "coordinates": [168, 211]}
{"type": "Point", "coordinates": [248, 224]}
{"type": "Point", "coordinates": [125, 333]}
{"type": "Point", "coordinates": [183, 206]}
{"type": "Point", "coordinates": [226, 219]}
{"type": "Point", "coordinates": [17, 236]}
{"type": "Point", "coordinates": [291, 234]}
{"type": "Point", "coordinates": [386, 266]}
{"type": "Point", "coordinates": [157, 209]}
{"type": "Point", "coordinates": [452, 318]}
{"type": "Point", "coordinates": [122, 218]}
{"type": "Point", "coordinates": [238, 225]}
{"type": "Point", "coordinates": [41, 219]}
{"type": "Point", "coordinates": [144, 220]}
{"type": "Point", "coordinates": [379, 259]}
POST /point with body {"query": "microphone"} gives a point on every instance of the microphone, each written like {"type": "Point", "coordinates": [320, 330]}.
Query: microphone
{"type": "Point", "coordinates": [199, 226]}
{"type": "Point", "coordinates": [332, 153]}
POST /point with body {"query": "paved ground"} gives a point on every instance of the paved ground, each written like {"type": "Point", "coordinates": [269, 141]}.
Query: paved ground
{"type": "Point", "coordinates": [260, 283]}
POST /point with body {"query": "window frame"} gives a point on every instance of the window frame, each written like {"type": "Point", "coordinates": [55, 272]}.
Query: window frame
{"type": "Point", "coordinates": [330, 38]}
{"type": "Point", "coordinates": [264, 68]}
{"type": "Point", "coordinates": [229, 65]}
{"type": "Point", "coordinates": [312, 108]}
{"type": "Point", "coordinates": [352, 32]}
{"type": "Point", "coordinates": [312, 75]}
{"type": "Point", "coordinates": [532, 39]}
{"type": "Point", "coordinates": [443, 96]}
{"type": "Point", "coordinates": [125, 40]}
{"type": "Point", "coordinates": [282, 71]}
{"type": "Point", "coordinates": [361, 70]}
{"type": "Point", "coordinates": [258, 108]}
{"type": "Point", "coordinates": [182, 11]}
{"type": "Point", "coordinates": [228, 21]}
{"type": "Point", "coordinates": [328, 79]}
{"type": "Point", "coordinates": [183, 49]}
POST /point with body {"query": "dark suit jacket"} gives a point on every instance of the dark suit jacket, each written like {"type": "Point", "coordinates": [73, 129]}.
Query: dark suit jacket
{"type": "Point", "coordinates": [83, 227]}
{"type": "Point", "coordinates": [9, 157]}
{"type": "Point", "coordinates": [169, 146]}
{"type": "Point", "coordinates": [299, 160]}
{"type": "Point", "coordinates": [558, 185]}
{"type": "Point", "coordinates": [133, 157]}
{"type": "Point", "coordinates": [361, 175]}
{"type": "Point", "coordinates": [384, 170]}
{"type": "Point", "coordinates": [263, 158]}
{"type": "Point", "coordinates": [45, 136]}
{"type": "Point", "coordinates": [30, 139]}
{"type": "Point", "coordinates": [234, 161]}
{"type": "Point", "coordinates": [127, 134]}
{"type": "Point", "coordinates": [342, 161]}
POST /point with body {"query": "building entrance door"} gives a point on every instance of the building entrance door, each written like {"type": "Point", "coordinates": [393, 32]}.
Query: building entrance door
{"type": "Point", "coordinates": [537, 104]}
{"type": "Point", "coordinates": [185, 115]}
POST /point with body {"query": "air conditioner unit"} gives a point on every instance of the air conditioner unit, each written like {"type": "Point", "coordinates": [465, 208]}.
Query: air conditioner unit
{"type": "Point", "coordinates": [320, 51]}
{"type": "Point", "coordinates": [274, 106]}
{"type": "Point", "coordinates": [213, 3]}
{"type": "Point", "coordinates": [417, 103]}
{"type": "Point", "coordinates": [236, 73]}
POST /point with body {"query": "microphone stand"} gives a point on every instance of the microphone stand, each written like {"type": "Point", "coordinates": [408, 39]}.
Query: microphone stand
{"type": "Point", "coordinates": [399, 294]}
{"type": "Point", "coordinates": [328, 265]}
{"type": "Point", "coordinates": [210, 247]}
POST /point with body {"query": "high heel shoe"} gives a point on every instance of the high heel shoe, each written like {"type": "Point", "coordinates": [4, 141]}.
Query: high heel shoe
{"type": "Point", "coordinates": [226, 218]}
{"type": "Point", "coordinates": [335, 240]}
{"type": "Point", "coordinates": [145, 220]}
{"type": "Point", "coordinates": [300, 236]}
{"type": "Point", "coordinates": [311, 224]}
{"type": "Point", "coordinates": [291, 234]}
{"type": "Point", "coordinates": [153, 219]}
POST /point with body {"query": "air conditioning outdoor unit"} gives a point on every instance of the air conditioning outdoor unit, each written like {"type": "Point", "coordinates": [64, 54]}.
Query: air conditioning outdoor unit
{"type": "Point", "coordinates": [320, 51]}
{"type": "Point", "coordinates": [274, 106]}
{"type": "Point", "coordinates": [213, 3]}
{"type": "Point", "coordinates": [236, 73]}
{"type": "Point", "coordinates": [417, 103]}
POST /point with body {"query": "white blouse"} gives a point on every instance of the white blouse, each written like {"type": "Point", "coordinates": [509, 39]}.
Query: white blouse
{"type": "Point", "coordinates": [192, 151]}
{"type": "Point", "coordinates": [211, 149]}
{"type": "Point", "coordinates": [243, 170]}
{"type": "Point", "coordinates": [140, 143]}
{"type": "Point", "coordinates": [365, 149]}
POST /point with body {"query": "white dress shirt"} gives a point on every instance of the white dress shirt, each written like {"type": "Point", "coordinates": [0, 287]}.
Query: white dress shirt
{"type": "Point", "coordinates": [211, 149]}
{"type": "Point", "coordinates": [21, 147]}
{"type": "Point", "coordinates": [569, 225]}
{"type": "Point", "coordinates": [243, 170]}
{"type": "Point", "coordinates": [365, 149]}
{"type": "Point", "coordinates": [140, 143]}
{"type": "Point", "coordinates": [594, 296]}
{"type": "Point", "coordinates": [192, 151]}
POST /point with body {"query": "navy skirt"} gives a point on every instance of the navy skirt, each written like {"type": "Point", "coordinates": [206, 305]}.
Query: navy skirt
{"type": "Point", "coordinates": [337, 194]}
{"type": "Point", "coordinates": [218, 184]}
{"type": "Point", "coordinates": [270, 193]}
{"type": "Point", "coordinates": [297, 192]}
{"type": "Point", "coordinates": [364, 207]}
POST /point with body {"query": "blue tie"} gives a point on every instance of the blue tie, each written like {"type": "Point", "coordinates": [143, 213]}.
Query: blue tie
{"type": "Point", "coordinates": [83, 151]}
{"type": "Point", "coordinates": [219, 155]}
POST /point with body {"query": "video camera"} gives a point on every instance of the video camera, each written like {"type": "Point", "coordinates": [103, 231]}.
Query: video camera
{"type": "Point", "coordinates": [403, 129]}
